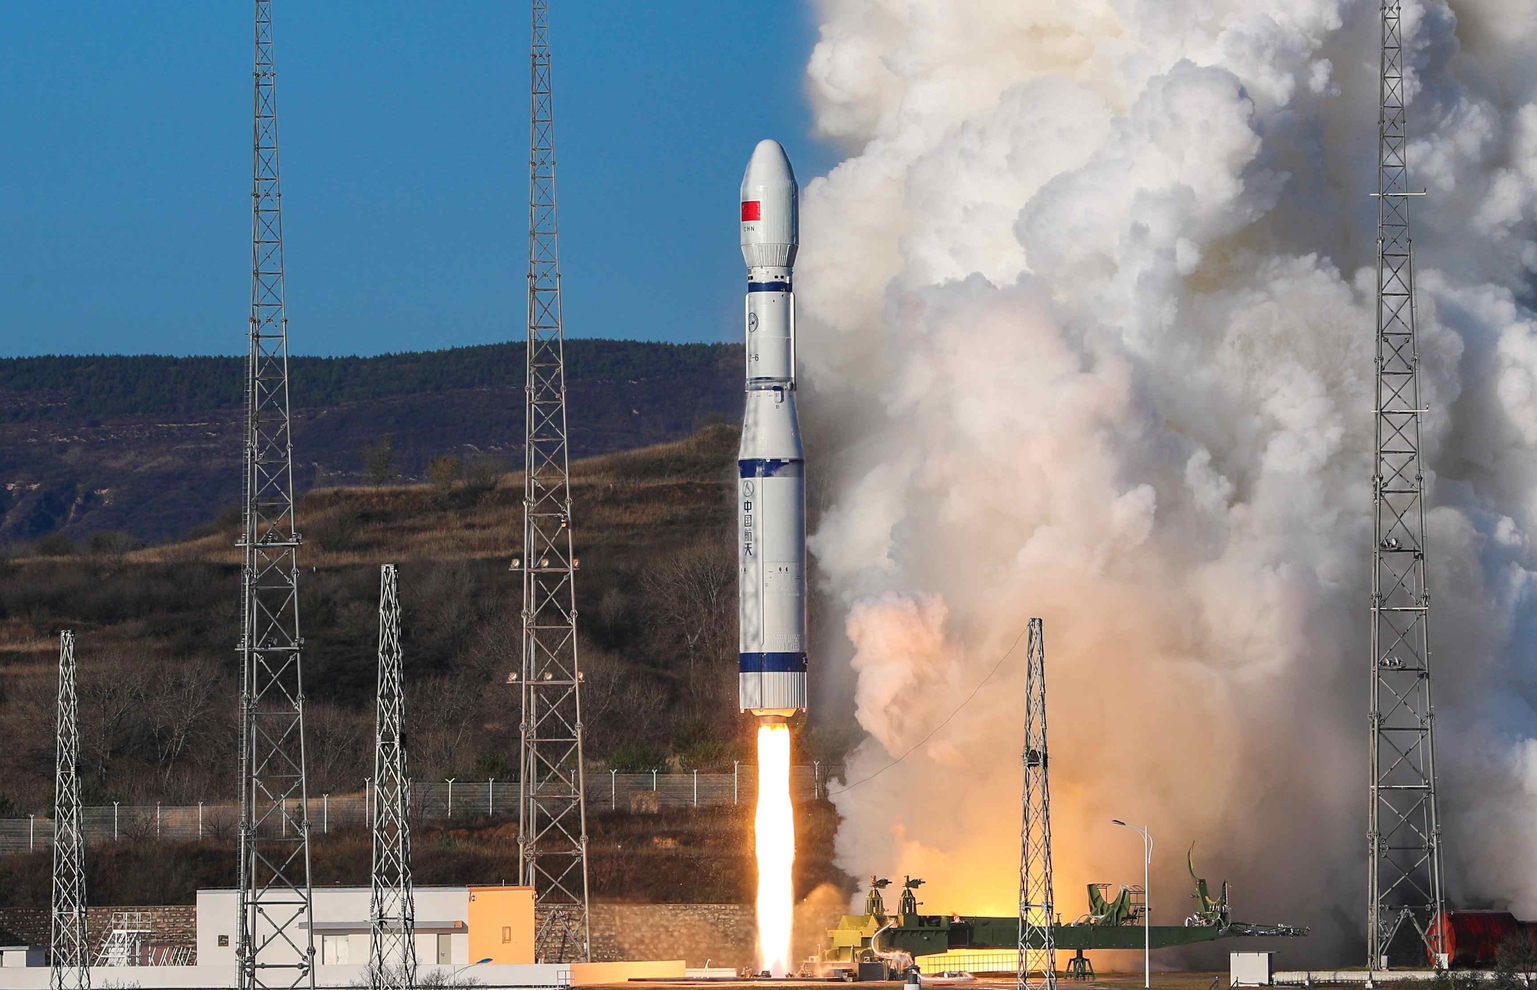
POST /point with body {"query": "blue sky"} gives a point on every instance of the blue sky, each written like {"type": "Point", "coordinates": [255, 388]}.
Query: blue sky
{"type": "Point", "coordinates": [125, 168]}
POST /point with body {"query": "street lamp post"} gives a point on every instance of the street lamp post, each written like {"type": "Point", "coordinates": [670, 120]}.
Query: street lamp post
{"type": "Point", "coordinates": [1147, 900]}
{"type": "Point", "coordinates": [478, 962]}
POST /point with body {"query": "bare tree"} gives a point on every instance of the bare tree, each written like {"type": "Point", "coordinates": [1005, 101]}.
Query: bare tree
{"type": "Point", "coordinates": [338, 747]}
{"type": "Point", "coordinates": [109, 551]}
{"type": "Point", "coordinates": [30, 713]}
{"type": "Point", "coordinates": [436, 597]}
{"type": "Point", "coordinates": [181, 707]}
{"type": "Point", "coordinates": [693, 597]}
{"type": "Point", "coordinates": [446, 712]}
{"type": "Point", "coordinates": [113, 698]}
{"type": "Point", "coordinates": [497, 649]}
{"type": "Point", "coordinates": [621, 703]}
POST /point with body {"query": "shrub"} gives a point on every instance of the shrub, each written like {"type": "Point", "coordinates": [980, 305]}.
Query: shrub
{"type": "Point", "coordinates": [1515, 963]}
{"type": "Point", "coordinates": [698, 748]}
{"type": "Point", "coordinates": [481, 473]}
{"type": "Point", "coordinates": [637, 758]}
{"type": "Point", "coordinates": [443, 471]}
{"type": "Point", "coordinates": [54, 545]}
{"type": "Point", "coordinates": [379, 460]}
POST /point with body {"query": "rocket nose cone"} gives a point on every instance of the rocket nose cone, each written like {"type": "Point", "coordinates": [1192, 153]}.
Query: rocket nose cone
{"type": "Point", "coordinates": [768, 171]}
{"type": "Point", "coordinates": [769, 164]}
{"type": "Point", "coordinates": [770, 208]}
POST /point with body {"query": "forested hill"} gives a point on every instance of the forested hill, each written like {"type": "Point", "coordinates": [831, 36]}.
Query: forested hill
{"type": "Point", "coordinates": [149, 446]}
{"type": "Point", "coordinates": [69, 386]}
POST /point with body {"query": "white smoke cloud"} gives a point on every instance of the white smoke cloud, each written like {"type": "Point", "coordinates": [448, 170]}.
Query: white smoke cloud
{"type": "Point", "coordinates": [1087, 318]}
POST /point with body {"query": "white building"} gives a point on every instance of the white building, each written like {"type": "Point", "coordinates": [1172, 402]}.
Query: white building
{"type": "Point", "coordinates": [19, 956]}
{"type": "Point", "coordinates": [489, 930]}
{"type": "Point", "coordinates": [342, 930]}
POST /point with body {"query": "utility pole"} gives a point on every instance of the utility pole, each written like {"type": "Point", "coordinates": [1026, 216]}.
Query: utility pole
{"type": "Point", "coordinates": [1037, 945]}
{"type": "Point", "coordinates": [392, 907]}
{"type": "Point", "coordinates": [552, 819]}
{"type": "Point", "coordinates": [1404, 877]}
{"type": "Point", "coordinates": [69, 955]}
{"type": "Point", "coordinates": [276, 943]}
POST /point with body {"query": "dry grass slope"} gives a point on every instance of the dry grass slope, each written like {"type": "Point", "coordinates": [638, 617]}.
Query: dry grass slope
{"type": "Point", "coordinates": [677, 856]}
{"type": "Point", "coordinates": [156, 629]}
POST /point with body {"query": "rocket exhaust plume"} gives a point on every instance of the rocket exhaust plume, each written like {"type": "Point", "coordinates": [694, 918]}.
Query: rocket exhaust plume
{"type": "Point", "coordinates": [774, 835]}
{"type": "Point", "coordinates": [1093, 302]}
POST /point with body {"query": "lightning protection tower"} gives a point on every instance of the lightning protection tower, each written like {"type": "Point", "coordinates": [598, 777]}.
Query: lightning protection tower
{"type": "Point", "coordinates": [1403, 832]}
{"type": "Point", "coordinates": [392, 907]}
{"type": "Point", "coordinates": [69, 958]}
{"type": "Point", "coordinates": [275, 947]}
{"type": "Point", "coordinates": [1037, 948]}
{"type": "Point", "coordinates": [552, 821]}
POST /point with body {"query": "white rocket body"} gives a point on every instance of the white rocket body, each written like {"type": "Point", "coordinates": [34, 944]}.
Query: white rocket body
{"type": "Point", "coordinates": [771, 468]}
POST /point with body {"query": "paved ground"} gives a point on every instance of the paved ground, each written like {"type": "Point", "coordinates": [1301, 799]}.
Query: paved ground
{"type": "Point", "coordinates": [1105, 981]}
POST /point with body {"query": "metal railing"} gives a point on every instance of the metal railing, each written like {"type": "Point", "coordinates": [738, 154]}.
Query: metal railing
{"type": "Point", "coordinates": [431, 801]}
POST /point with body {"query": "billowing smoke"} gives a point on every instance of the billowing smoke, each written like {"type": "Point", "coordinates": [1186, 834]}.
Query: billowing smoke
{"type": "Point", "coordinates": [1087, 315]}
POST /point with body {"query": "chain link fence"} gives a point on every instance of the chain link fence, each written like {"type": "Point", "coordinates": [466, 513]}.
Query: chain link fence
{"type": "Point", "coordinates": [437, 801]}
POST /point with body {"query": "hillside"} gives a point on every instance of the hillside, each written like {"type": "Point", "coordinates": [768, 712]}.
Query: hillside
{"type": "Point", "coordinates": [150, 446]}
{"type": "Point", "coordinates": [685, 855]}
{"type": "Point", "coordinates": [156, 628]}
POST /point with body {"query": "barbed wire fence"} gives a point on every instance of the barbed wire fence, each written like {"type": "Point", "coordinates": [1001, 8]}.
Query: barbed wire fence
{"type": "Point", "coordinates": [432, 801]}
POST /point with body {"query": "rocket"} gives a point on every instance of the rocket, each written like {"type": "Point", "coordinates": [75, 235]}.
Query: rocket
{"type": "Point", "coordinates": [771, 465]}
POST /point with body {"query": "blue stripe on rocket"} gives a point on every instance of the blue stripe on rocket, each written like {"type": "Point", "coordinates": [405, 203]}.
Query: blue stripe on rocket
{"type": "Point", "coordinates": [772, 663]}
{"type": "Point", "coordinates": [769, 467]}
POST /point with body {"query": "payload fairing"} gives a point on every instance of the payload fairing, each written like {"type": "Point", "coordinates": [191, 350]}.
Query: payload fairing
{"type": "Point", "coordinates": [771, 467]}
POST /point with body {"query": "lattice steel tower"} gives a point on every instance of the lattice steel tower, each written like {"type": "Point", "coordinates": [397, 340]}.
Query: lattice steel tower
{"type": "Point", "coordinates": [392, 908]}
{"type": "Point", "coordinates": [1404, 834]}
{"type": "Point", "coordinates": [552, 820]}
{"type": "Point", "coordinates": [1037, 944]}
{"type": "Point", "coordinates": [276, 947]}
{"type": "Point", "coordinates": [69, 956]}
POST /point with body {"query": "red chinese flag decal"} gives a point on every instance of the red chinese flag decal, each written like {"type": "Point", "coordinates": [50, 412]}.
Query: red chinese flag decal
{"type": "Point", "coordinates": [752, 210]}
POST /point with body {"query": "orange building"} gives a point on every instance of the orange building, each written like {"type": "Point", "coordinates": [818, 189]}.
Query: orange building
{"type": "Point", "coordinates": [502, 924]}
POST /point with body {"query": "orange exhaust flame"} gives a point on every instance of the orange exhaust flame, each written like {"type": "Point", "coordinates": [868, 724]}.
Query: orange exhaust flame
{"type": "Point", "coordinates": [774, 833]}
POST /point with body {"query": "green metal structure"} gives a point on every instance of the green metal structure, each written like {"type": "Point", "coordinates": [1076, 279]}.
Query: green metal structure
{"type": "Point", "coordinates": [1112, 922]}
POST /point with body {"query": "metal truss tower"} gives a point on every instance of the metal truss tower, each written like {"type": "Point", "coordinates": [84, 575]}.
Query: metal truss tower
{"type": "Point", "coordinates": [276, 944]}
{"type": "Point", "coordinates": [552, 819]}
{"type": "Point", "coordinates": [392, 907]}
{"type": "Point", "coordinates": [1037, 948]}
{"type": "Point", "coordinates": [1404, 875]}
{"type": "Point", "coordinates": [69, 957]}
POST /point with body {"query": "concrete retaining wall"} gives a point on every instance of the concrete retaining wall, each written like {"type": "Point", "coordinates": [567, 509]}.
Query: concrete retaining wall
{"type": "Point", "coordinates": [724, 934]}
{"type": "Point", "coordinates": [174, 924]}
